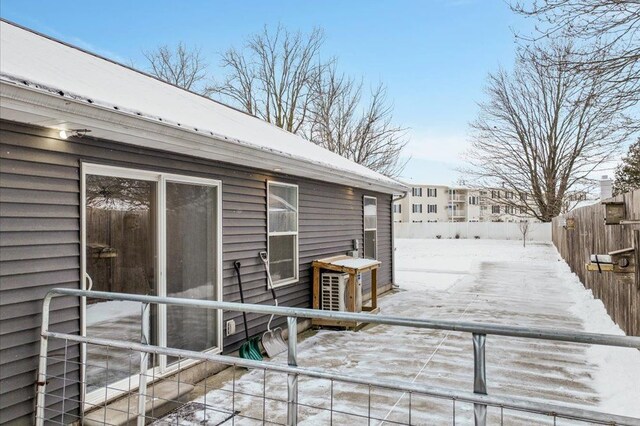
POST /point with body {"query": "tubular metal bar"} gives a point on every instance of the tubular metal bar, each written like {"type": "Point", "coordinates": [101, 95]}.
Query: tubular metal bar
{"type": "Point", "coordinates": [519, 404]}
{"type": "Point", "coordinates": [144, 362]}
{"type": "Point", "coordinates": [479, 378]}
{"type": "Point", "coordinates": [461, 326]}
{"type": "Point", "coordinates": [292, 379]}
{"type": "Point", "coordinates": [41, 384]}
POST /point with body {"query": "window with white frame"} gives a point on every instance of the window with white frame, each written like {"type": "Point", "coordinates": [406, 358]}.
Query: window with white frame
{"type": "Point", "coordinates": [282, 202]}
{"type": "Point", "coordinates": [473, 200]}
{"type": "Point", "coordinates": [416, 192]}
{"type": "Point", "coordinates": [509, 209]}
{"type": "Point", "coordinates": [416, 208]}
{"type": "Point", "coordinates": [397, 208]}
{"type": "Point", "coordinates": [432, 192]}
{"type": "Point", "coordinates": [495, 209]}
{"type": "Point", "coordinates": [370, 227]}
{"type": "Point", "coordinates": [432, 208]}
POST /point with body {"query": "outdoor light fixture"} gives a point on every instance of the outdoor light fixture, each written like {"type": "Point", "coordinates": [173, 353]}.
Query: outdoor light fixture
{"type": "Point", "coordinates": [65, 134]}
{"type": "Point", "coordinates": [277, 169]}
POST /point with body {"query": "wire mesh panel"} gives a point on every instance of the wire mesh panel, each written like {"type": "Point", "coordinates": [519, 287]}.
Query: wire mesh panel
{"type": "Point", "coordinates": [241, 396]}
{"type": "Point", "coordinates": [252, 392]}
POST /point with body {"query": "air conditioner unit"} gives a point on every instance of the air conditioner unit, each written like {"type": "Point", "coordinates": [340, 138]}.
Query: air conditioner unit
{"type": "Point", "coordinates": [334, 291]}
{"type": "Point", "coordinates": [335, 294]}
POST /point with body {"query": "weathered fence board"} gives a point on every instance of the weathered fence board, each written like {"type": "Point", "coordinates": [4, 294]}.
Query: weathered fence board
{"type": "Point", "coordinates": [592, 236]}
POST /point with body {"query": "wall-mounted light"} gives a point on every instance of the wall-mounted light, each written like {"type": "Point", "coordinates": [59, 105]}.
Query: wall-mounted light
{"type": "Point", "coordinates": [277, 169]}
{"type": "Point", "coordinates": [67, 133]}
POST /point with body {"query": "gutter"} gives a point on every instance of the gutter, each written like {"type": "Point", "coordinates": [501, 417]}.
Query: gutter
{"type": "Point", "coordinates": [134, 128]}
{"type": "Point", "coordinates": [402, 197]}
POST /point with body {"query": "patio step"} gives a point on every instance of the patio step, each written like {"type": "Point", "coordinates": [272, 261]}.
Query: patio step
{"type": "Point", "coordinates": [161, 398]}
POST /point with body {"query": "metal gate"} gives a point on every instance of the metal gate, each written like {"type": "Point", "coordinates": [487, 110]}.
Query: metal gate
{"type": "Point", "coordinates": [290, 407]}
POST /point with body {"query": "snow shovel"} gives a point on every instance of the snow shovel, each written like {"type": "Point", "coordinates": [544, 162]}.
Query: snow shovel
{"type": "Point", "coordinates": [250, 348]}
{"type": "Point", "coordinates": [272, 340]}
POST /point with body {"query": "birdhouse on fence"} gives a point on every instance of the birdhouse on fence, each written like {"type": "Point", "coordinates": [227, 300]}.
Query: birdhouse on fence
{"type": "Point", "coordinates": [570, 224]}
{"type": "Point", "coordinates": [624, 263]}
{"type": "Point", "coordinates": [614, 212]}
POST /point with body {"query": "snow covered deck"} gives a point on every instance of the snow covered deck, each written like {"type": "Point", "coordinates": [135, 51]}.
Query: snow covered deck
{"type": "Point", "coordinates": [470, 280]}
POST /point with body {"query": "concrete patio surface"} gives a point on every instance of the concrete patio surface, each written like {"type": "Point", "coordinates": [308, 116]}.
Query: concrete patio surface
{"type": "Point", "coordinates": [472, 280]}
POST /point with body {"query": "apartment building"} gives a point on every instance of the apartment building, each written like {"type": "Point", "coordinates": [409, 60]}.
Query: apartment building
{"type": "Point", "coordinates": [443, 203]}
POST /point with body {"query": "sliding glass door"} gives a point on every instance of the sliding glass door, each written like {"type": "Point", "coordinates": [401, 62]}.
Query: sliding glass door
{"type": "Point", "coordinates": [153, 234]}
{"type": "Point", "coordinates": [191, 217]}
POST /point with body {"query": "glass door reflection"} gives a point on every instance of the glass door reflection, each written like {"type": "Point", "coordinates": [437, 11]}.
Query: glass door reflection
{"type": "Point", "coordinates": [121, 256]}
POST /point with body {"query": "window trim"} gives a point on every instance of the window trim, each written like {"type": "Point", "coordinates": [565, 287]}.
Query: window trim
{"type": "Point", "coordinates": [365, 229]}
{"type": "Point", "coordinates": [296, 258]}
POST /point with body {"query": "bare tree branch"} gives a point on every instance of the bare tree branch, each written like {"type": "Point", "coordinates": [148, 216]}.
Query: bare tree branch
{"type": "Point", "coordinates": [279, 77]}
{"type": "Point", "coordinates": [604, 33]}
{"type": "Point", "coordinates": [273, 77]}
{"type": "Point", "coordinates": [361, 130]}
{"type": "Point", "coordinates": [179, 65]}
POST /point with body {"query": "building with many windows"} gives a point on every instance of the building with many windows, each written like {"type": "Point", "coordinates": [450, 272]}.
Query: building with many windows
{"type": "Point", "coordinates": [443, 203]}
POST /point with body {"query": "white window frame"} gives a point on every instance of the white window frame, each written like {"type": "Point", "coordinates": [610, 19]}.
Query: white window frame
{"type": "Point", "coordinates": [432, 192]}
{"type": "Point", "coordinates": [160, 178]}
{"type": "Point", "coordinates": [432, 208]}
{"type": "Point", "coordinates": [296, 257]}
{"type": "Point", "coordinates": [364, 239]}
{"type": "Point", "coordinates": [413, 208]}
{"type": "Point", "coordinates": [416, 191]}
{"type": "Point", "coordinates": [493, 208]}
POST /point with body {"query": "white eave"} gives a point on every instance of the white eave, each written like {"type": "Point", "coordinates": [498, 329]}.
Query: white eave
{"type": "Point", "coordinates": [41, 103]}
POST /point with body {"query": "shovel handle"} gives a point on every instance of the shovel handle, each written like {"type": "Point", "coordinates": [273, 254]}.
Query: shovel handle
{"type": "Point", "coordinates": [236, 266]}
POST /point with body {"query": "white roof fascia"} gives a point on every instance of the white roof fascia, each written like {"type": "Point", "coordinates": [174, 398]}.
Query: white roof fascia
{"type": "Point", "coordinates": [125, 127]}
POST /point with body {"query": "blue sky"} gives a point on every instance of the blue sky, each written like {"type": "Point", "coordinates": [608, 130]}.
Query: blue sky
{"type": "Point", "coordinates": [433, 55]}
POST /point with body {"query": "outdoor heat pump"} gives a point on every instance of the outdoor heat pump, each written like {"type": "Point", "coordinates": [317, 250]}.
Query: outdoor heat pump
{"type": "Point", "coordinates": [334, 289]}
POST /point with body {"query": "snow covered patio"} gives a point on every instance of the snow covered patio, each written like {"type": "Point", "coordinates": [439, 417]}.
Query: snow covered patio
{"type": "Point", "coordinates": [471, 280]}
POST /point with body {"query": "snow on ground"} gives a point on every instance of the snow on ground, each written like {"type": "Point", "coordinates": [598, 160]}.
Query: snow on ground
{"type": "Point", "coordinates": [470, 280]}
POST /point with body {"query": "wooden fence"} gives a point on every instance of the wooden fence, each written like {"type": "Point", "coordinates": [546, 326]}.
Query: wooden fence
{"type": "Point", "coordinates": [591, 236]}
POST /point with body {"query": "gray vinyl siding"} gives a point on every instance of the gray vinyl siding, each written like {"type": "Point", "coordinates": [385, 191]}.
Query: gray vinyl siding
{"type": "Point", "coordinates": [40, 241]}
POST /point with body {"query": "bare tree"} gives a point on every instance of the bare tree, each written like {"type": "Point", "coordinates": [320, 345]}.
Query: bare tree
{"type": "Point", "coordinates": [342, 121]}
{"type": "Point", "coordinates": [544, 129]}
{"type": "Point", "coordinates": [524, 226]}
{"type": "Point", "coordinates": [280, 77]}
{"type": "Point", "coordinates": [605, 30]}
{"type": "Point", "coordinates": [179, 65]}
{"type": "Point", "coordinates": [273, 76]}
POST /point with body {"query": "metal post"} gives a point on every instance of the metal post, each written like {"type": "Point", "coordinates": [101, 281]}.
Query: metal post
{"type": "Point", "coordinates": [41, 384]}
{"type": "Point", "coordinates": [479, 378]}
{"type": "Point", "coordinates": [292, 379]}
{"type": "Point", "coordinates": [144, 360]}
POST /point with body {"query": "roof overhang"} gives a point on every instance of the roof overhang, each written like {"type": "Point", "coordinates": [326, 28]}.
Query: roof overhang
{"type": "Point", "coordinates": [34, 105]}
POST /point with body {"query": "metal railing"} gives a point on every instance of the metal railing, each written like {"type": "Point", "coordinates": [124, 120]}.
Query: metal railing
{"type": "Point", "coordinates": [479, 397]}
{"type": "Point", "coordinates": [457, 198]}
